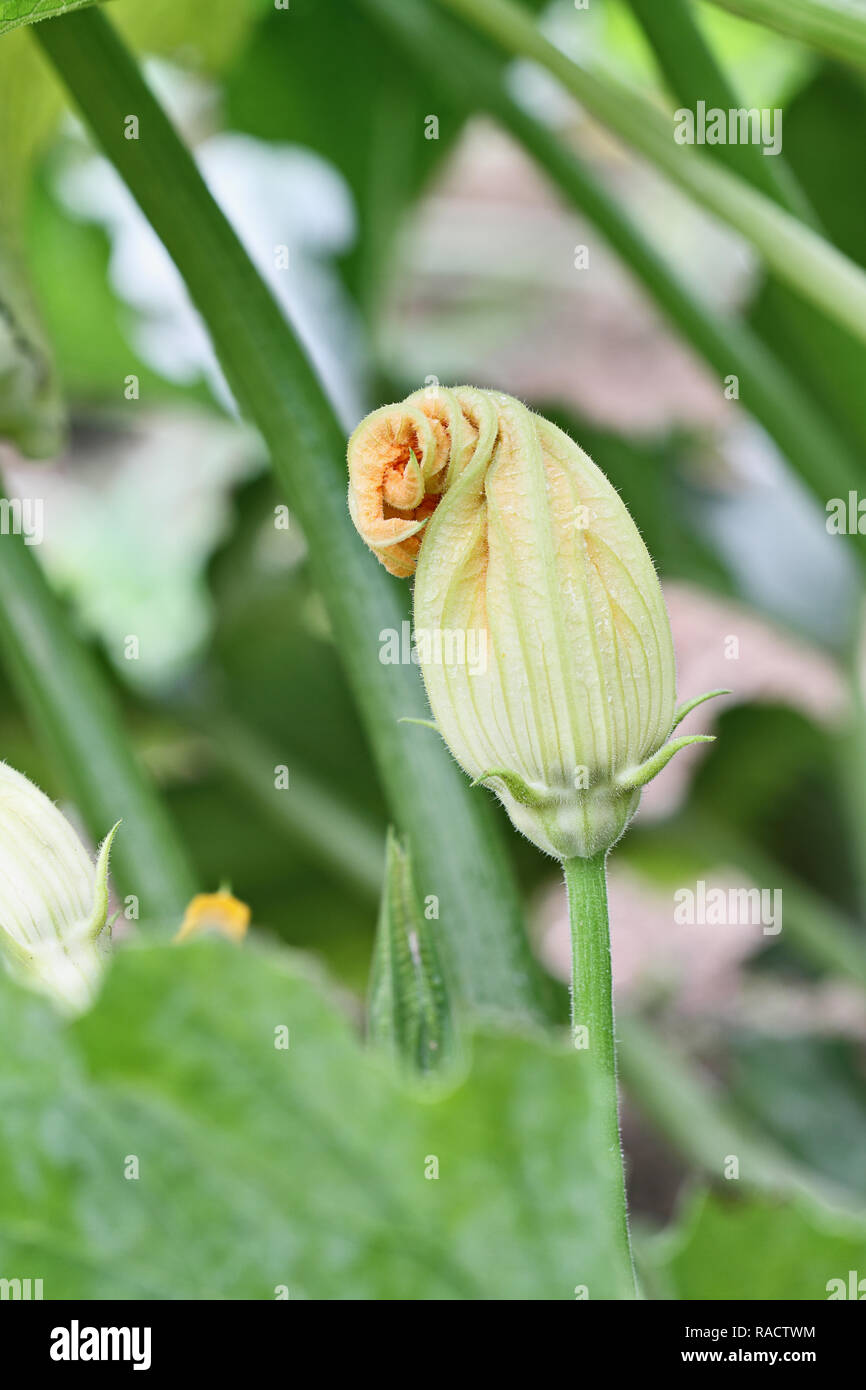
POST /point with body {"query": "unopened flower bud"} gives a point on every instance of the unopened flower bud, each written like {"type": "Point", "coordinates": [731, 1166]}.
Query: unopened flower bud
{"type": "Point", "coordinates": [518, 540]}
{"type": "Point", "coordinates": [53, 898]}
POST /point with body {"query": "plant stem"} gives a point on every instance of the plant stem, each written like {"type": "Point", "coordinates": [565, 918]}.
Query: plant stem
{"type": "Point", "coordinates": [69, 703]}
{"type": "Point", "coordinates": [835, 27]}
{"type": "Point", "coordinates": [456, 850]}
{"type": "Point", "coordinates": [798, 255]}
{"type": "Point", "coordinates": [692, 73]}
{"type": "Point", "coordinates": [593, 1030]}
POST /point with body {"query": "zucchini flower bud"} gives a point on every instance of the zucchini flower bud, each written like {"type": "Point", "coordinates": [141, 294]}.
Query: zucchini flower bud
{"type": "Point", "coordinates": [523, 551]}
{"type": "Point", "coordinates": [53, 899]}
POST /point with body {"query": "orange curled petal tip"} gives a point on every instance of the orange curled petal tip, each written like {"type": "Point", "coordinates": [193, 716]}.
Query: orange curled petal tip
{"type": "Point", "coordinates": [397, 460]}
{"type": "Point", "coordinates": [220, 913]}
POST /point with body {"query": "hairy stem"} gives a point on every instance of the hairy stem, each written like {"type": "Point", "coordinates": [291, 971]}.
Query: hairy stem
{"type": "Point", "coordinates": [593, 1031]}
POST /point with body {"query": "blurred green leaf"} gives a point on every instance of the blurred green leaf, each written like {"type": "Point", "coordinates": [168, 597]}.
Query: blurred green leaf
{"type": "Point", "coordinates": [828, 115]}
{"type": "Point", "coordinates": [725, 1249]}
{"type": "Point", "coordinates": [261, 1166]}
{"type": "Point", "coordinates": [294, 899]}
{"type": "Point", "coordinates": [87, 326]}
{"type": "Point", "coordinates": [326, 78]}
{"type": "Point", "coordinates": [687, 1108]}
{"type": "Point", "coordinates": [803, 1090]}
{"type": "Point", "coordinates": [72, 708]}
{"type": "Point", "coordinates": [771, 777]}
{"type": "Point", "coordinates": [31, 414]}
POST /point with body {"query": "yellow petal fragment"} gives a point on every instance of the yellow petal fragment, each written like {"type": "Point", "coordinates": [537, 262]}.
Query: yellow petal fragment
{"type": "Point", "coordinates": [215, 912]}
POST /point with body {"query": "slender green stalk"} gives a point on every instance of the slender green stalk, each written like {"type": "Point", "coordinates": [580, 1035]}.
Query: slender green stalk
{"type": "Point", "coordinates": [457, 854]}
{"type": "Point", "coordinates": [69, 704]}
{"type": "Point", "coordinates": [835, 27]}
{"type": "Point", "coordinates": [798, 256]}
{"type": "Point", "coordinates": [693, 74]}
{"type": "Point", "coordinates": [593, 1027]}
{"type": "Point", "coordinates": [465, 70]}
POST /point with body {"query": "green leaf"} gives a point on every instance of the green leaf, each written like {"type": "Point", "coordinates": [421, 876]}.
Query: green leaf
{"type": "Point", "coordinates": [261, 1166]}
{"type": "Point", "coordinates": [14, 13]}
{"type": "Point", "coordinates": [31, 414]}
{"type": "Point", "coordinates": [829, 361]}
{"type": "Point", "coordinates": [211, 28]}
{"type": "Point", "coordinates": [725, 1249]}
{"type": "Point", "coordinates": [283, 88]}
{"type": "Point", "coordinates": [802, 1089]}
{"type": "Point", "coordinates": [706, 1129]}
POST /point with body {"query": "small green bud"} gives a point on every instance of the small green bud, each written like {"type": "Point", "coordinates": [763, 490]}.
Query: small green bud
{"type": "Point", "coordinates": [409, 1014]}
{"type": "Point", "coordinates": [561, 695]}
{"type": "Point", "coordinates": [53, 899]}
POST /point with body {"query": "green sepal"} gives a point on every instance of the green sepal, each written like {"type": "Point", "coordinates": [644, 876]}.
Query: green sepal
{"type": "Point", "coordinates": [639, 776]}
{"type": "Point", "coordinates": [523, 794]}
{"type": "Point", "coordinates": [97, 918]}
{"type": "Point", "coordinates": [688, 705]}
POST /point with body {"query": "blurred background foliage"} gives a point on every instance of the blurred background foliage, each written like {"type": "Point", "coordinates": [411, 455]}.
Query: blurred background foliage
{"type": "Point", "coordinates": [455, 257]}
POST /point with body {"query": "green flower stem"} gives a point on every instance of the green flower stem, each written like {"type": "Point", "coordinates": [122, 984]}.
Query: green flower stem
{"type": "Point", "coordinates": [464, 67]}
{"type": "Point", "coordinates": [593, 1028]}
{"type": "Point", "coordinates": [70, 706]}
{"type": "Point", "coordinates": [835, 27]}
{"type": "Point", "coordinates": [456, 851]}
{"type": "Point", "coordinates": [798, 256]}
